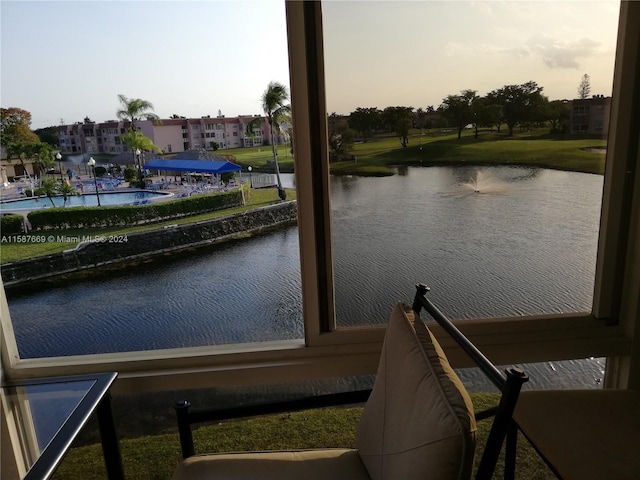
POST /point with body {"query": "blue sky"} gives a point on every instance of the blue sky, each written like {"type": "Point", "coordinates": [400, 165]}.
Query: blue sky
{"type": "Point", "coordinates": [66, 60]}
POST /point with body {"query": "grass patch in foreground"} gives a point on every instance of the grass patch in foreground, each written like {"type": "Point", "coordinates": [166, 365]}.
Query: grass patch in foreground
{"type": "Point", "coordinates": [155, 457]}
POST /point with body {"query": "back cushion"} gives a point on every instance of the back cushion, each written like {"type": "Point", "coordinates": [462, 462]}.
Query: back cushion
{"type": "Point", "coordinates": [418, 422]}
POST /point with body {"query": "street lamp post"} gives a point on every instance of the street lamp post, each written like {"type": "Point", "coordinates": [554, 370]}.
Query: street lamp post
{"type": "Point", "coordinates": [139, 167]}
{"type": "Point", "coordinates": [59, 159]}
{"type": "Point", "coordinates": [92, 164]}
{"type": "Point", "coordinates": [250, 181]}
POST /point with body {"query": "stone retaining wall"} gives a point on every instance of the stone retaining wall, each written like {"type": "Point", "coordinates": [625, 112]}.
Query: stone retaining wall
{"type": "Point", "coordinates": [138, 246]}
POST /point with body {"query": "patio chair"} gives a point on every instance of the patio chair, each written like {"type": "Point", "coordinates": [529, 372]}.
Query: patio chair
{"type": "Point", "coordinates": [418, 420]}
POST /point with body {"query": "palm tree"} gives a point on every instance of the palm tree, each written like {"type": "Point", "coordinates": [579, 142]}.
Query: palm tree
{"type": "Point", "coordinates": [48, 188]}
{"type": "Point", "coordinates": [132, 110]}
{"type": "Point", "coordinates": [66, 189]}
{"type": "Point", "coordinates": [275, 108]}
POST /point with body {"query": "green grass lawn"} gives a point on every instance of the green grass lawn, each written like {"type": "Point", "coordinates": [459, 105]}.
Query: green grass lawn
{"type": "Point", "coordinates": [566, 153]}
{"type": "Point", "coordinates": [257, 157]}
{"type": "Point", "coordinates": [155, 457]}
{"type": "Point", "coordinates": [435, 147]}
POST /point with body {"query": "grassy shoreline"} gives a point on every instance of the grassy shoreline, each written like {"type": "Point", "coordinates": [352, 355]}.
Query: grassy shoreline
{"type": "Point", "coordinates": [379, 155]}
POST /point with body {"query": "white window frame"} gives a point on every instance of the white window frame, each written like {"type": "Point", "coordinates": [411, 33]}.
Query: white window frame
{"type": "Point", "coordinates": [611, 330]}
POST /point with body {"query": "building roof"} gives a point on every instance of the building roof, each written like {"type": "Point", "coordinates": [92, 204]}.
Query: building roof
{"type": "Point", "coordinates": [198, 154]}
{"type": "Point", "coordinates": [203, 166]}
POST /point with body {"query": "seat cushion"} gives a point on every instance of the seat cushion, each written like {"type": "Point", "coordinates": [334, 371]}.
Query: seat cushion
{"type": "Point", "coordinates": [585, 434]}
{"type": "Point", "coordinates": [329, 464]}
{"type": "Point", "coordinates": [418, 422]}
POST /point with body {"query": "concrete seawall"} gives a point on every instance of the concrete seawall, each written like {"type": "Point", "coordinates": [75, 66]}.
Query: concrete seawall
{"type": "Point", "coordinates": [136, 247]}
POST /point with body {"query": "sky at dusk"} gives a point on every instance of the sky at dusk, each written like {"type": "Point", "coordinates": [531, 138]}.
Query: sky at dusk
{"type": "Point", "coordinates": [63, 60]}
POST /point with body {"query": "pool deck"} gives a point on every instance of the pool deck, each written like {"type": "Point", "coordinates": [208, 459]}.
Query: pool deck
{"type": "Point", "coordinates": [14, 190]}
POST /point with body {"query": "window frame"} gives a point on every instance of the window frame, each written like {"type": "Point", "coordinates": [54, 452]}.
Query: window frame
{"type": "Point", "coordinates": [326, 350]}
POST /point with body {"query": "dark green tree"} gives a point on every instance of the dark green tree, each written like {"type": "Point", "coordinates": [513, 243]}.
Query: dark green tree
{"type": "Point", "coordinates": [557, 114]}
{"type": "Point", "coordinates": [48, 135]}
{"type": "Point", "coordinates": [365, 121]}
{"type": "Point", "coordinates": [458, 109]}
{"type": "Point", "coordinates": [520, 103]}
{"type": "Point", "coordinates": [399, 120]}
{"type": "Point", "coordinates": [341, 138]}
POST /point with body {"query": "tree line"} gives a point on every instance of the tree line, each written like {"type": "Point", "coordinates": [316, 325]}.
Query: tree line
{"type": "Point", "coordinates": [511, 105]}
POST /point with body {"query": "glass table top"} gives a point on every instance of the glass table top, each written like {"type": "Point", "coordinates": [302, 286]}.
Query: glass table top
{"type": "Point", "coordinates": [47, 414]}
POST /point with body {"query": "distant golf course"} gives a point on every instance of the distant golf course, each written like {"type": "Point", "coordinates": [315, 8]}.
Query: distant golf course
{"type": "Point", "coordinates": [438, 147]}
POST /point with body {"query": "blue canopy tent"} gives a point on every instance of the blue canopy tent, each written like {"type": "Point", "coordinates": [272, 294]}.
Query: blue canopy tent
{"type": "Point", "coordinates": [201, 166]}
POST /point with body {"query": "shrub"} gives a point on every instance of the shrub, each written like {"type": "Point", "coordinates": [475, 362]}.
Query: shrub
{"type": "Point", "coordinates": [129, 174]}
{"type": "Point", "coordinates": [100, 172]}
{"type": "Point", "coordinates": [227, 176]}
{"type": "Point", "coordinates": [11, 224]}
{"type": "Point", "coordinates": [128, 215]}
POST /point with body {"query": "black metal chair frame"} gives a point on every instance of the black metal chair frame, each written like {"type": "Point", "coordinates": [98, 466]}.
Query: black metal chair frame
{"type": "Point", "coordinates": [509, 384]}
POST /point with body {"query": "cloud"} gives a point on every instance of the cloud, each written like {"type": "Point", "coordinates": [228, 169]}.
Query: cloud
{"type": "Point", "coordinates": [518, 52]}
{"type": "Point", "coordinates": [556, 53]}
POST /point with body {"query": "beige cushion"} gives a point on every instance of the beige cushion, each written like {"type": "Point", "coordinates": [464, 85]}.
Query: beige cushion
{"type": "Point", "coordinates": [584, 434]}
{"type": "Point", "coordinates": [329, 464]}
{"type": "Point", "coordinates": [418, 422]}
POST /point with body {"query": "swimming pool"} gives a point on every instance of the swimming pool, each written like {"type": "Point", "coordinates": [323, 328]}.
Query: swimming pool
{"type": "Point", "coordinates": [85, 200]}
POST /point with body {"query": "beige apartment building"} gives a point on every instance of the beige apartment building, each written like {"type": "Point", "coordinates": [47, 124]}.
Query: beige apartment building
{"type": "Point", "coordinates": [590, 116]}
{"type": "Point", "coordinates": [171, 135]}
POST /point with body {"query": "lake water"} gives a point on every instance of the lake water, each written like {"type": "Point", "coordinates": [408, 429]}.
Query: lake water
{"type": "Point", "coordinates": [489, 242]}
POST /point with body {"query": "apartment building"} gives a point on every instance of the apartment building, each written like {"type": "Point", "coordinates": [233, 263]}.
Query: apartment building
{"type": "Point", "coordinates": [590, 116]}
{"type": "Point", "coordinates": [171, 135]}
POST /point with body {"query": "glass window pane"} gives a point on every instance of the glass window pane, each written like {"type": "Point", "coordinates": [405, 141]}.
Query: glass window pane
{"type": "Point", "coordinates": [468, 142]}
{"type": "Point", "coordinates": [232, 277]}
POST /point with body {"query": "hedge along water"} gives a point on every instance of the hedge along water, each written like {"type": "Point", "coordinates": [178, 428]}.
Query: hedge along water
{"type": "Point", "coordinates": [129, 215]}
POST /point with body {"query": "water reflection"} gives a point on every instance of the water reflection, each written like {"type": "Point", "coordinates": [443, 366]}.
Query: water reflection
{"type": "Point", "coordinates": [528, 250]}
